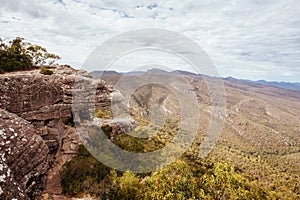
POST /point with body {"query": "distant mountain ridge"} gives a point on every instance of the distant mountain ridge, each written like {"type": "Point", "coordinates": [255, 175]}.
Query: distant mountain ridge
{"type": "Point", "coordinates": [138, 73]}
{"type": "Point", "coordinates": [284, 85]}
{"type": "Point", "coordinates": [280, 84]}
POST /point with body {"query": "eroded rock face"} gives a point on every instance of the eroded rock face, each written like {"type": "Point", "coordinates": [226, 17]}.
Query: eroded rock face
{"type": "Point", "coordinates": [24, 159]}
{"type": "Point", "coordinates": [42, 100]}
{"type": "Point", "coordinates": [39, 110]}
{"type": "Point", "coordinates": [45, 101]}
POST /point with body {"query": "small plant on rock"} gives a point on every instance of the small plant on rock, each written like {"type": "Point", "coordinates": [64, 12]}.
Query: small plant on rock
{"type": "Point", "coordinates": [46, 71]}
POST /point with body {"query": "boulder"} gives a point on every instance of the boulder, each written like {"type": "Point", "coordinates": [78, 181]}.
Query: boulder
{"type": "Point", "coordinates": [24, 159]}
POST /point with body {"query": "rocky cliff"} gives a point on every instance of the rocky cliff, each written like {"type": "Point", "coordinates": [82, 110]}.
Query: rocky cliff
{"type": "Point", "coordinates": [37, 133]}
{"type": "Point", "coordinates": [24, 159]}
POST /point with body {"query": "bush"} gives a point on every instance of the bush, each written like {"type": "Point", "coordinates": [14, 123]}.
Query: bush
{"type": "Point", "coordinates": [175, 181]}
{"type": "Point", "coordinates": [126, 187]}
{"type": "Point", "coordinates": [46, 71]}
{"type": "Point", "coordinates": [104, 114]}
{"type": "Point", "coordinates": [225, 183]}
{"type": "Point", "coordinates": [13, 61]}
{"type": "Point", "coordinates": [83, 174]}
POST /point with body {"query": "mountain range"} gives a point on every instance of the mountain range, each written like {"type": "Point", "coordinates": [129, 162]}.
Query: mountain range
{"type": "Point", "coordinates": [279, 84]}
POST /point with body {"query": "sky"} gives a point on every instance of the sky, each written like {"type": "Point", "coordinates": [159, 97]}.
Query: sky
{"type": "Point", "coordinates": [248, 39]}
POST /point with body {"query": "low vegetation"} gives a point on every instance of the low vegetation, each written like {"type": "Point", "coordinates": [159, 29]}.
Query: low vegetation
{"type": "Point", "coordinates": [187, 178]}
{"type": "Point", "coordinates": [180, 180]}
{"type": "Point", "coordinates": [83, 174]}
{"type": "Point", "coordinates": [103, 113]}
{"type": "Point", "coordinates": [46, 71]}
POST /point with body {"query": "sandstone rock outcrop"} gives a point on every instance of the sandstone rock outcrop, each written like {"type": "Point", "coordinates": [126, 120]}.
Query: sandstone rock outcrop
{"type": "Point", "coordinates": [24, 159]}
{"type": "Point", "coordinates": [42, 107]}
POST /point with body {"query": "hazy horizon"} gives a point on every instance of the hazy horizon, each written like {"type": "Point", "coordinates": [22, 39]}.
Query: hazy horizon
{"type": "Point", "coordinates": [178, 69]}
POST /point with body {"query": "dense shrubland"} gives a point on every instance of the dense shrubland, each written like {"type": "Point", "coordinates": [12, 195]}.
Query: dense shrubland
{"type": "Point", "coordinates": [180, 180]}
{"type": "Point", "coordinates": [187, 178]}
{"type": "Point", "coordinates": [229, 172]}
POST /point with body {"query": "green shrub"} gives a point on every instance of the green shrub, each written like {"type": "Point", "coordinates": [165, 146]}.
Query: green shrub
{"type": "Point", "coordinates": [83, 174]}
{"type": "Point", "coordinates": [46, 71]}
{"type": "Point", "coordinates": [175, 181]}
{"type": "Point", "coordinates": [14, 61]}
{"type": "Point", "coordinates": [224, 183]}
{"type": "Point", "coordinates": [105, 113]}
{"type": "Point", "coordinates": [126, 187]}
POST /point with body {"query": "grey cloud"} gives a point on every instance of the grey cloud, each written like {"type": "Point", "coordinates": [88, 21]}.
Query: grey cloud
{"type": "Point", "coordinates": [244, 38]}
{"type": "Point", "coordinates": [152, 6]}
{"type": "Point", "coordinates": [30, 7]}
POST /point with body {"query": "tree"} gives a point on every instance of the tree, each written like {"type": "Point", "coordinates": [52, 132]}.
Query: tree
{"type": "Point", "coordinates": [12, 58]}
{"type": "Point", "coordinates": [19, 55]}
{"type": "Point", "coordinates": [40, 56]}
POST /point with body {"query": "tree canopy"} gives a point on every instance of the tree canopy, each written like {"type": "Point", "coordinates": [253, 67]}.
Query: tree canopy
{"type": "Point", "coordinates": [18, 55]}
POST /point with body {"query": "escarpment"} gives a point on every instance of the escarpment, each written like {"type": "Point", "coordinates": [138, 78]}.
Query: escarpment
{"type": "Point", "coordinates": [37, 130]}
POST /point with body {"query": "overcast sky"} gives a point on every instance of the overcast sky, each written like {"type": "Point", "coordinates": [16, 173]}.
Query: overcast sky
{"type": "Point", "coordinates": [251, 39]}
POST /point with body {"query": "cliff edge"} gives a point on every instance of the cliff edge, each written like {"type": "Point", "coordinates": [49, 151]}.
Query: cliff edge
{"type": "Point", "coordinates": [37, 133]}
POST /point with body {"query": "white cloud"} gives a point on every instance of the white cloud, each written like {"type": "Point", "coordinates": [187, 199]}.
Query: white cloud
{"type": "Point", "coordinates": [246, 39]}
